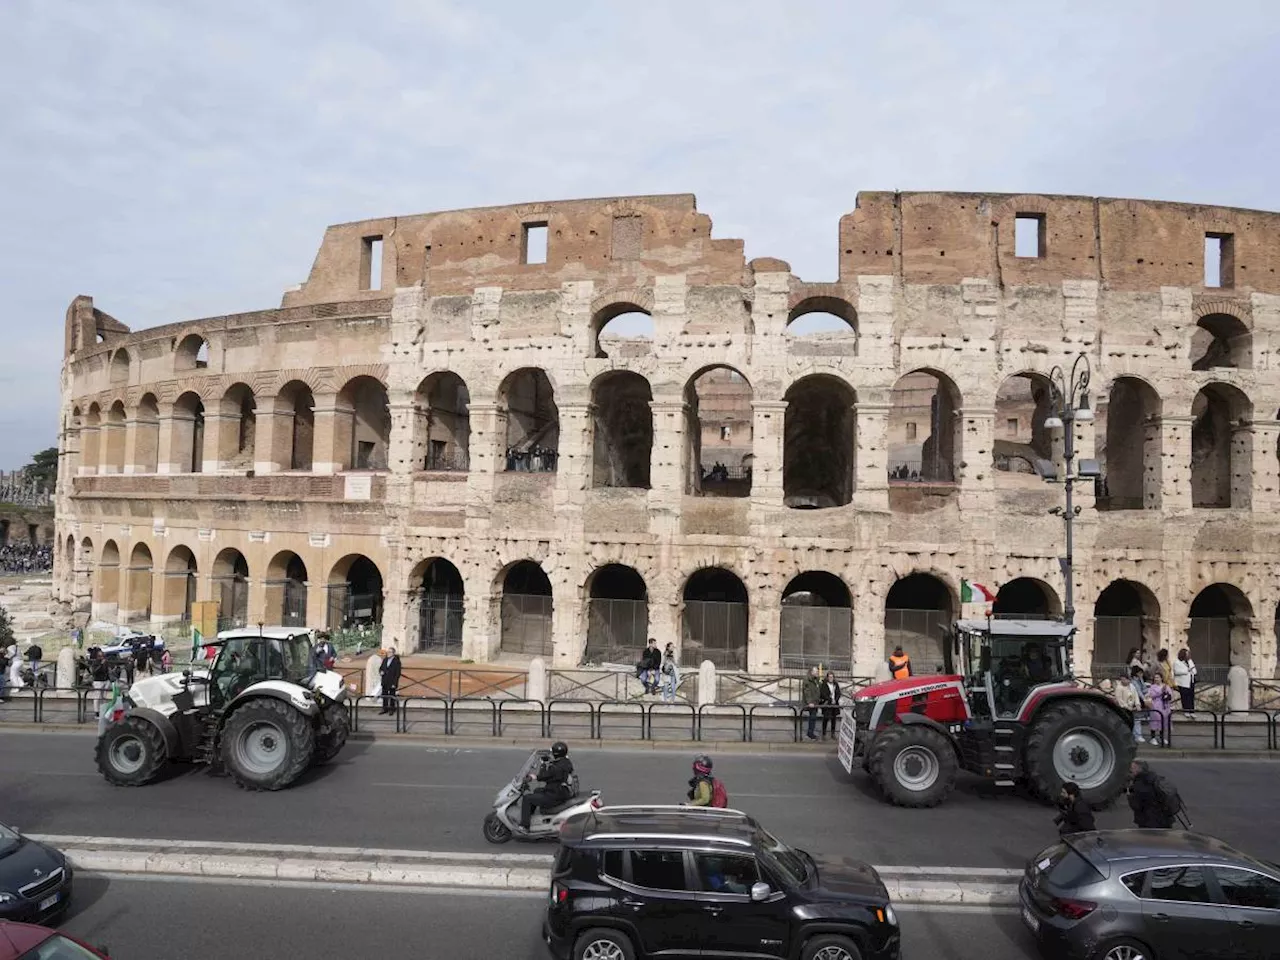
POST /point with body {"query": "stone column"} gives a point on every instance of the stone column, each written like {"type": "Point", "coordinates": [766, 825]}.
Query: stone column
{"type": "Point", "coordinates": [871, 464]}
{"type": "Point", "coordinates": [1244, 463]}
{"type": "Point", "coordinates": [272, 437]}
{"type": "Point", "coordinates": [221, 440]}
{"type": "Point", "coordinates": [132, 430]}
{"type": "Point", "coordinates": [1152, 465]}
{"type": "Point", "coordinates": [165, 457]}
{"type": "Point", "coordinates": [395, 618]}
{"type": "Point", "coordinates": [480, 628]}
{"type": "Point", "coordinates": [110, 439]}
{"type": "Point", "coordinates": [1265, 495]}
{"type": "Point", "coordinates": [576, 461]}
{"type": "Point", "coordinates": [974, 466]}
{"type": "Point", "coordinates": [764, 631]}
{"type": "Point", "coordinates": [667, 465]}
{"type": "Point", "coordinates": [568, 625]}
{"type": "Point", "coordinates": [1085, 449]}
{"type": "Point", "coordinates": [401, 458]}
{"type": "Point", "coordinates": [333, 426]}
{"type": "Point", "coordinates": [767, 424]}
{"type": "Point", "coordinates": [90, 444]}
{"type": "Point", "coordinates": [1175, 464]}
{"type": "Point", "coordinates": [486, 448]}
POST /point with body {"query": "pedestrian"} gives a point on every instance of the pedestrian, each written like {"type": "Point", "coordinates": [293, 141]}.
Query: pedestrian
{"type": "Point", "coordinates": [35, 655]}
{"type": "Point", "coordinates": [1074, 814]}
{"type": "Point", "coordinates": [829, 699]}
{"type": "Point", "coordinates": [389, 675]}
{"type": "Point", "coordinates": [100, 677]}
{"type": "Point", "coordinates": [15, 669]}
{"type": "Point", "coordinates": [704, 789]}
{"type": "Point", "coordinates": [649, 666]}
{"type": "Point", "coordinates": [1184, 679]}
{"type": "Point", "coordinates": [670, 673]}
{"type": "Point", "coordinates": [1164, 667]}
{"type": "Point", "coordinates": [899, 664]}
{"type": "Point", "coordinates": [1151, 799]}
{"type": "Point", "coordinates": [1126, 697]}
{"type": "Point", "coordinates": [811, 694]}
{"type": "Point", "coordinates": [166, 661]}
{"type": "Point", "coordinates": [325, 653]}
{"type": "Point", "coordinates": [1161, 699]}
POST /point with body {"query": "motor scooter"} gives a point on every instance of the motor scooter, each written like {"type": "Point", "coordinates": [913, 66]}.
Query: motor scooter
{"type": "Point", "coordinates": [503, 822]}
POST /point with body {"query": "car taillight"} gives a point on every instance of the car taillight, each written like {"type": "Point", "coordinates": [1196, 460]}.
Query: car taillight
{"type": "Point", "coordinates": [1073, 909]}
{"type": "Point", "coordinates": [559, 893]}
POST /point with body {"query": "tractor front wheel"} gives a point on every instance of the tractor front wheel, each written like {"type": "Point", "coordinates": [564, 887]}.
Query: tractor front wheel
{"type": "Point", "coordinates": [913, 764]}
{"type": "Point", "coordinates": [334, 730]}
{"type": "Point", "coordinates": [131, 752]}
{"type": "Point", "coordinates": [267, 744]}
{"type": "Point", "coordinates": [1081, 741]}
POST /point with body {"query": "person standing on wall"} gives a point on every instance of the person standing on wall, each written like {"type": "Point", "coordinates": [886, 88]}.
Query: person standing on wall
{"type": "Point", "coordinates": [1184, 678]}
{"type": "Point", "coordinates": [829, 700]}
{"type": "Point", "coordinates": [389, 673]}
{"type": "Point", "coordinates": [899, 664]}
{"type": "Point", "coordinates": [811, 694]}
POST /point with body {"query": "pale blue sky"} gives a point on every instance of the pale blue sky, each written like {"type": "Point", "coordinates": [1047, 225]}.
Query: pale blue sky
{"type": "Point", "coordinates": [179, 160]}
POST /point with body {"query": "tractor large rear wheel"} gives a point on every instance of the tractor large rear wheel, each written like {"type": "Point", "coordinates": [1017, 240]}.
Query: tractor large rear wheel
{"type": "Point", "coordinates": [1081, 741]}
{"type": "Point", "coordinates": [267, 744]}
{"type": "Point", "coordinates": [334, 730]}
{"type": "Point", "coordinates": [131, 753]}
{"type": "Point", "coordinates": [913, 764]}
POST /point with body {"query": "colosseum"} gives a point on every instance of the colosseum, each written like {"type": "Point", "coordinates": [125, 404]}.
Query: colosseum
{"type": "Point", "coordinates": [557, 428]}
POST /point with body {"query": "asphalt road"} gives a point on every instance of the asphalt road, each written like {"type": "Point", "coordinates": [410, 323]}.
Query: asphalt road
{"type": "Point", "coordinates": [198, 920]}
{"type": "Point", "coordinates": [409, 795]}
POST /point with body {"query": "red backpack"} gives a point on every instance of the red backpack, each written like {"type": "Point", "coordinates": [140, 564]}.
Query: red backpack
{"type": "Point", "coordinates": [719, 796]}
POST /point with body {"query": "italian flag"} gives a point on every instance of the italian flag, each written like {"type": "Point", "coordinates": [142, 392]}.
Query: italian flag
{"type": "Point", "coordinates": [971, 592]}
{"type": "Point", "coordinates": [196, 638]}
{"type": "Point", "coordinates": [113, 712]}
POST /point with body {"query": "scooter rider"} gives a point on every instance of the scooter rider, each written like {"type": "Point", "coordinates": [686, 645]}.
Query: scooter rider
{"type": "Point", "coordinates": [554, 775]}
{"type": "Point", "coordinates": [701, 786]}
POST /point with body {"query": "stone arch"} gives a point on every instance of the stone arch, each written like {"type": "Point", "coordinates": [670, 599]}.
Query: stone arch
{"type": "Point", "coordinates": [526, 605]}
{"type": "Point", "coordinates": [354, 594]}
{"type": "Point", "coordinates": [622, 430]}
{"type": "Point", "coordinates": [631, 330]}
{"type": "Point", "coordinates": [119, 369]}
{"type": "Point", "coordinates": [237, 427]}
{"type": "Point", "coordinates": [362, 424]}
{"type": "Point", "coordinates": [816, 628]}
{"type": "Point", "coordinates": [1220, 631]}
{"type": "Point", "coordinates": [91, 437]}
{"type": "Point", "coordinates": [917, 608]}
{"type": "Point", "coordinates": [442, 423]}
{"type": "Point", "coordinates": [146, 427]}
{"type": "Point", "coordinates": [822, 316]}
{"type": "Point", "coordinates": [617, 614]}
{"type": "Point", "coordinates": [529, 421]}
{"type": "Point", "coordinates": [1221, 447]}
{"type": "Point", "coordinates": [231, 588]}
{"type": "Point", "coordinates": [1022, 405]}
{"type": "Point", "coordinates": [925, 431]}
{"type": "Point", "coordinates": [191, 353]}
{"type": "Point", "coordinates": [1126, 616]}
{"type": "Point", "coordinates": [296, 425]}
{"type": "Point", "coordinates": [714, 618]}
{"type": "Point", "coordinates": [138, 584]}
{"type": "Point", "coordinates": [718, 432]}
{"type": "Point", "coordinates": [107, 576]}
{"type": "Point", "coordinates": [188, 433]}
{"type": "Point", "coordinates": [1131, 443]}
{"type": "Point", "coordinates": [179, 591]}
{"type": "Point", "coordinates": [287, 587]}
{"type": "Point", "coordinates": [1221, 339]}
{"type": "Point", "coordinates": [113, 439]}
{"type": "Point", "coordinates": [819, 443]}
{"type": "Point", "coordinates": [440, 595]}
{"type": "Point", "coordinates": [1027, 597]}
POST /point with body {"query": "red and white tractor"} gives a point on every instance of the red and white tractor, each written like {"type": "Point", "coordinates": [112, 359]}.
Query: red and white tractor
{"type": "Point", "coordinates": [1005, 707]}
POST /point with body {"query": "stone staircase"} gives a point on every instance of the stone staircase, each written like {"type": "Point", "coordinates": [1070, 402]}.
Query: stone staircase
{"type": "Point", "coordinates": [30, 603]}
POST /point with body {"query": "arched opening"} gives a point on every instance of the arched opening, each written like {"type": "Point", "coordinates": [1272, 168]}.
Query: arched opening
{"type": "Point", "coordinates": [621, 330]}
{"type": "Point", "coordinates": [441, 606]}
{"type": "Point", "coordinates": [363, 425]}
{"type": "Point", "coordinates": [818, 443]}
{"type": "Point", "coordinates": [527, 404]}
{"type": "Point", "coordinates": [139, 585]}
{"type": "Point", "coordinates": [188, 434]}
{"type": "Point", "coordinates": [817, 623]}
{"type": "Point", "coordinates": [1130, 453]}
{"type": "Point", "coordinates": [1022, 406]}
{"type": "Point", "coordinates": [107, 592]}
{"type": "Point", "coordinates": [1221, 447]}
{"type": "Point", "coordinates": [1220, 632]}
{"type": "Point", "coordinates": [90, 438]}
{"type": "Point", "coordinates": [823, 319]}
{"type": "Point", "coordinates": [113, 437]}
{"type": "Point", "coordinates": [917, 609]}
{"type": "Point", "coordinates": [526, 610]}
{"type": "Point", "coordinates": [238, 428]}
{"type": "Point", "coordinates": [231, 588]}
{"type": "Point", "coordinates": [718, 432]}
{"type": "Point", "coordinates": [1221, 340]}
{"type": "Point", "coordinates": [1126, 615]}
{"type": "Point", "coordinates": [179, 583]}
{"type": "Point", "coordinates": [617, 615]}
{"type": "Point", "coordinates": [714, 621]}
{"type": "Point", "coordinates": [924, 428]}
{"type": "Point", "coordinates": [286, 584]}
{"type": "Point", "coordinates": [355, 594]}
{"type": "Point", "coordinates": [146, 445]}
{"type": "Point", "coordinates": [119, 371]}
{"type": "Point", "coordinates": [296, 440]}
{"type": "Point", "coordinates": [1027, 598]}
{"type": "Point", "coordinates": [192, 353]}
{"type": "Point", "coordinates": [622, 428]}
{"type": "Point", "coordinates": [442, 423]}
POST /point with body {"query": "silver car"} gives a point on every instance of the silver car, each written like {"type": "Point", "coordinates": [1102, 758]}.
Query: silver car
{"type": "Point", "coordinates": [1151, 895]}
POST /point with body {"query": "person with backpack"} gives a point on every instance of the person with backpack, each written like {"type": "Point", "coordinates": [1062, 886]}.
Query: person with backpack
{"type": "Point", "coordinates": [1074, 814]}
{"type": "Point", "coordinates": [1153, 799]}
{"type": "Point", "coordinates": [704, 789]}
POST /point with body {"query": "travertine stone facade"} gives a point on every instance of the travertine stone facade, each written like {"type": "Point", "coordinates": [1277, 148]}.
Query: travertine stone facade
{"type": "Point", "coordinates": [458, 405]}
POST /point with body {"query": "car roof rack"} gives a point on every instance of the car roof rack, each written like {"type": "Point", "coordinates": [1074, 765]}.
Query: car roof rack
{"type": "Point", "coordinates": [710, 838]}
{"type": "Point", "coordinates": [673, 807]}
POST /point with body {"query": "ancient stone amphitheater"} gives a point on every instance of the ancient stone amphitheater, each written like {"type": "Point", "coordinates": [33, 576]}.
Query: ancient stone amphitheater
{"type": "Point", "coordinates": [558, 428]}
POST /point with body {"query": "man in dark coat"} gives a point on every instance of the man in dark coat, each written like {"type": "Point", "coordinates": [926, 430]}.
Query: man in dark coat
{"type": "Point", "coordinates": [1146, 799]}
{"type": "Point", "coordinates": [389, 671]}
{"type": "Point", "coordinates": [1074, 815]}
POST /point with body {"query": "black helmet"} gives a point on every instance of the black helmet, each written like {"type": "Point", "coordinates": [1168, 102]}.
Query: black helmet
{"type": "Point", "coordinates": [559, 750]}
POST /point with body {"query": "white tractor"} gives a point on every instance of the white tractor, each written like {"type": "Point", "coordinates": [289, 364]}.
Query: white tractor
{"type": "Point", "coordinates": [264, 711]}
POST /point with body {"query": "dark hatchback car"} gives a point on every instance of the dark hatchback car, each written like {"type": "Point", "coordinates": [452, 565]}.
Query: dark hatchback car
{"type": "Point", "coordinates": [35, 880]}
{"type": "Point", "coordinates": [1152, 895]}
{"type": "Point", "coordinates": [661, 881]}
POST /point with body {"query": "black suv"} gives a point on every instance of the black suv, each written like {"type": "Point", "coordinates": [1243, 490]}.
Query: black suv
{"type": "Point", "coordinates": [660, 881]}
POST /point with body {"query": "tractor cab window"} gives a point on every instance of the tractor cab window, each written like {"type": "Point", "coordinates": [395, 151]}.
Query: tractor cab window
{"type": "Point", "coordinates": [241, 662]}
{"type": "Point", "coordinates": [295, 657]}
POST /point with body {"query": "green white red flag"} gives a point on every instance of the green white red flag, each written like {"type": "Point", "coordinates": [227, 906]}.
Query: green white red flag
{"type": "Point", "coordinates": [113, 712]}
{"type": "Point", "coordinates": [971, 592]}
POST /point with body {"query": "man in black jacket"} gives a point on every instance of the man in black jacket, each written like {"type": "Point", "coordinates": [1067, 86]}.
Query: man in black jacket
{"type": "Point", "coordinates": [1146, 799]}
{"type": "Point", "coordinates": [1074, 815]}
{"type": "Point", "coordinates": [389, 672]}
{"type": "Point", "coordinates": [554, 775]}
{"type": "Point", "coordinates": [650, 665]}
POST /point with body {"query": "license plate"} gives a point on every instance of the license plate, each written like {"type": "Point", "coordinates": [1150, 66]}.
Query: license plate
{"type": "Point", "coordinates": [48, 902]}
{"type": "Point", "coordinates": [1030, 920]}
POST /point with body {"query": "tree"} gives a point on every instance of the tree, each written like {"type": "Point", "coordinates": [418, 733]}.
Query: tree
{"type": "Point", "coordinates": [43, 468]}
{"type": "Point", "coordinates": [6, 628]}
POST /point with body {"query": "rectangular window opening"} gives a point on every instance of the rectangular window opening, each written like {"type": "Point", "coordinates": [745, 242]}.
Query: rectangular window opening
{"type": "Point", "coordinates": [1028, 235]}
{"type": "Point", "coordinates": [1011, 425]}
{"type": "Point", "coordinates": [911, 431]}
{"type": "Point", "coordinates": [726, 433]}
{"type": "Point", "coordinates": [371, 263]}
{"type": "Point", "coordinates": [1219, 259]}
{"type": "Point", "coordinates": [364, 455]}
{"type": "Point", "coordinates": [534, 247]}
